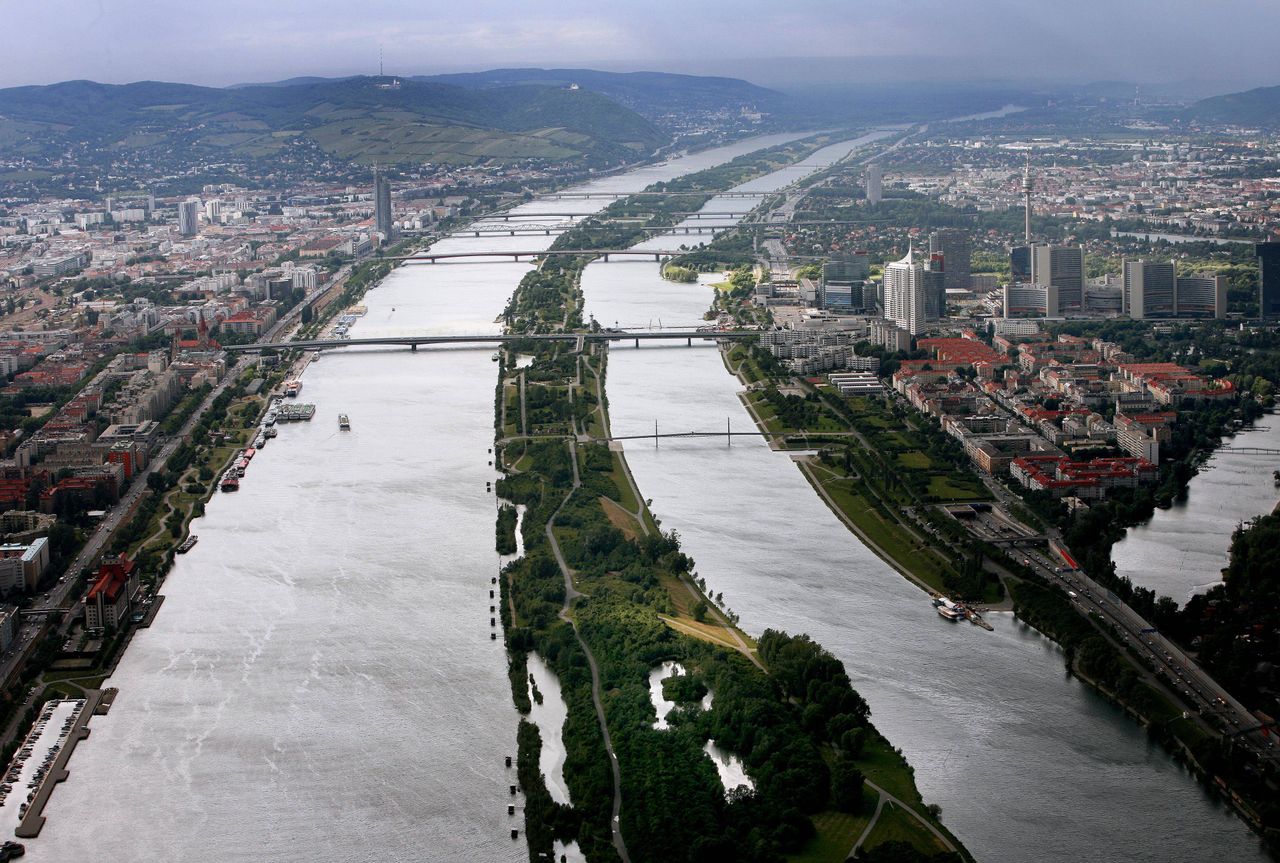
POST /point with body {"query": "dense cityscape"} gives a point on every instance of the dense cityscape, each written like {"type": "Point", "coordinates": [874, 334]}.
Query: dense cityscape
{"type": "Point", "coordinates": [577, 465]}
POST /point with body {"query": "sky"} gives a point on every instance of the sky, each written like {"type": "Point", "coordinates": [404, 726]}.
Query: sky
{"type": "Point", "coordinates": [222, 42]}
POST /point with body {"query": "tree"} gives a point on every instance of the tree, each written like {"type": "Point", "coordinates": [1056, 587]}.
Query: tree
{"type": "Point", "coordinates": [699, 610]}
{"type": "Point", "coordinates": [846, 786]}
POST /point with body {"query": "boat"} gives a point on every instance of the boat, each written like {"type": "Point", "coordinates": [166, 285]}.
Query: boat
{"type": "Point", "coordinates": [230, 482]}
{"type": "Point", "coordinates": [188, 544]}
{"type": "Point", "coordinates": [496, 356]}
{"type": "Point", "coordinates": [343, 423]}
{"type": "Point", "coordinates": [272, 432]}
{"type": "Point", "coordinates": [948, 610]}
{"type": "Point", "coordinates": [249, 453]}
{"type": "Point", "coordinates": [260, 441]}
{"type": "Point", "coordinates": [292, 388]}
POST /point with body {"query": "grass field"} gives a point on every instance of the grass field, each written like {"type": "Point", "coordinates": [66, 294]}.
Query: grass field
{"type": "Point", "coordinates": [895, 825]}
{"type": "Point", "coordinates": [837, 831]}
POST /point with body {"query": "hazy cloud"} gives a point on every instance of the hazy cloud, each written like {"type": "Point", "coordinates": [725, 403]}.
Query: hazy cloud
{"type": "Point", "coordinates": [231, 41]}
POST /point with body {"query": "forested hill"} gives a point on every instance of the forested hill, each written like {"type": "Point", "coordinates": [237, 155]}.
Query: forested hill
{"type": "Point", "coordinates": [358, 119]}
{"type": "Point", "coordinates": [1258, 108]}
{"type": "Point", "coordinates": [655, 95]}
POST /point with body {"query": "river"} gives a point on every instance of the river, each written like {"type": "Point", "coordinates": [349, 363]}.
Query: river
{"type": "Point", "coordinates": [1025, 761]}
{"type": "Point", "coordinates": [1182, 550]}
{"type": "Point", "coordinates": [320, 684]}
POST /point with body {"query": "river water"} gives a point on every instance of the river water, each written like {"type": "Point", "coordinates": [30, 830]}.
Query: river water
{"type": "Point", "coordinates": [1025, 761]}
{"type": "Point", "coordinates": [320, 684]}
{"type": "Point", "coordinates": [1182, 550]}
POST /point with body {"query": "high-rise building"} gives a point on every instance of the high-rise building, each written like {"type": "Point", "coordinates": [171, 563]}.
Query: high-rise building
{"type": "Point", "coordinates": [382, 218]}
{"type": "Point", "coordinates": [875, 183]}
{"type": "Point", "coordinates": [956, 248]}
{"type": "Point", "coordinates": [189, 217]}
{"type": "Point", "coordinates": [1202, 295]}
{"type": "Point", "coordinates": [906, 294]}
{"type": "Point", "coordinates": [935, 289]}
{"type": "Point", "coordinates": [1020, 264]}
{"type": "Point", "coordinates": [1062, 267]}
{"type": "Point", "coordinates": [1022, 300]}
{"type": "Point", "coordinates": [213, 211]}
{"type": "Point", "coordinates": [1150, 289]}
{"type": "Point", "coordinates": [1268, 279]}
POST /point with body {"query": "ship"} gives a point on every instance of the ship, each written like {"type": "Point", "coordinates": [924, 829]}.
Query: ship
{"type": "Point", "coordinates": [230, 481]}
{"type": "Point", "coordinates": [343, 423]}
{"type": "Point", "coordinates": [188, 544]}
{"type": "Point", "coordinates": [948, 610]}
{"type": "Point", "coordinates": [292, 388]}
{"type": "Point", "coordinates": [272, 432]}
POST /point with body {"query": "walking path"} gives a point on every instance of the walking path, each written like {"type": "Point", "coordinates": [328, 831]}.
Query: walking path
{"type": "Point", "coordinates": [571, 593]}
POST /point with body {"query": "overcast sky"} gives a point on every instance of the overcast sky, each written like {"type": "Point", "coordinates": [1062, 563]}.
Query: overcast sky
{"type": "Point", "coordinates": [222, 42]}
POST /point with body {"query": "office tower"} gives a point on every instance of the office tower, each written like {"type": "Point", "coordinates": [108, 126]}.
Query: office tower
{"type": "Point", "coordinates": [189, 217]}
{"type": "Point", "coordinates": [382, 204]}
{"type": "Point", "coordinates": [847, 267]}
{"type": "Point", "coordinates": [935, 289]}
{"type": "Point", "coordinates": [875, 183]}
{"type": "Point", "coordinates": [905, 294]}
{"type": "Point", "coordinates": [1062, 267]}
{"type": "Point", "coordinates": [151, 205]}
{"type": "Point", "coordinates": [1020, 264]}
{"type": "Point", "coordinates": [1202, 295]}
{"type": "Point", "coordinates": [212, 211]}
{"type": "Point", "coordinates": [956, 249]}
{"type": "Point", "coordinates": [1028, 300]}
{"type": "Point", "coordinates": [1150, 289]}
{"type": "Point", "coordinates": [1268, 279]}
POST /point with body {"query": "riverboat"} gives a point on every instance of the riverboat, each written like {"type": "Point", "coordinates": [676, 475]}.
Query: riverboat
{"type": "Point", "coordinates": [230, 482]}
{"type": "Point", "coordinates": [343, 423]}
{"type": "Point", "coordinates": [948, 610]}
{"type": "Point", "coordinates": [188, 544]}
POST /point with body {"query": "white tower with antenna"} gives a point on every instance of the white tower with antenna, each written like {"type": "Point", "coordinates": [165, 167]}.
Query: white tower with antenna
{"type": "Point", "coordinates": [1027, 186]}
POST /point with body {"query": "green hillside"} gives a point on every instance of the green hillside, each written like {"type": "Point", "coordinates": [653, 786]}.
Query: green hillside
{"type": "Point", "coordinates": [357, 119]}
{"type": "Point", "coordinates": [1259, 108]}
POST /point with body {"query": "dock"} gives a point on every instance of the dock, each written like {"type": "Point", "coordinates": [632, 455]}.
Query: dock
{"type": "Point", "coordinates": [33, 822]}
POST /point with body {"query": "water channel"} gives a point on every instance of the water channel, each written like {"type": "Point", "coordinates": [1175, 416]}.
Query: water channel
{"type": "Point", "coordinates": [1182, 550]}
{"type": "Point", "coordinates": [1025, 761]}
{"type": "Point", "coordinates": [321, 684]}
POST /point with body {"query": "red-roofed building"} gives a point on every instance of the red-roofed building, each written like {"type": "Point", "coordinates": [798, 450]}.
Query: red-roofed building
{"type": "Point", "coordinates": [107, 602]}
{"type": "Point", "coordinates": [1062, 477]}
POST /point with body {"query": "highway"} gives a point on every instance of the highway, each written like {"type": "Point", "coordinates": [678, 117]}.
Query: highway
{"type": "Point", "coordinates": [1178, 672]}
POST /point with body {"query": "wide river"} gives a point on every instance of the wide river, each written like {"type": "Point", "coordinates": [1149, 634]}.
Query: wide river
{"type": "Point", "coordinates": [321, 685]}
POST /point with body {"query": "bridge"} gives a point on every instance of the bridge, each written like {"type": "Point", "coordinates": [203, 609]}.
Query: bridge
{"type": "Point", "coordinates": [586, 196]}
{"type": "Point", "coordinates": [506, 217]}
{"type": "Point", "coordinates": [1249, 450]}
{"type": "Point", "coordinates": [577, 339]}
{"type": "Point", "coordinates": [432, 257]}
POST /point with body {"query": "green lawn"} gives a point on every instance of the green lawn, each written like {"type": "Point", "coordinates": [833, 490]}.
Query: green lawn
{"type": "Point", "coordinates": [898, 826]}
{"type": "Point", "coordinates": [889, 536]}
{"type": "Point", "coordinates": [944, 488]}
{"type": "Point", "coordinates": [837, 831]}
{"type": "Point", "coordinates": [915, 460]}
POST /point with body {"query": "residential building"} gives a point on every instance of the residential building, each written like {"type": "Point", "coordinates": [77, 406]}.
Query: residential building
{"type": "Point", "coordinates": [906, 294]}
{"type": "Point", "coordinates": [107, 603]}
{"type": "Point", "coordinates": [189, 217]}
{"type": "Point", "coordinates": [875, 183]}
{"type": "Point", "coordinates": [382, 216]}
{"type": "Point", "coordinates": [21, 566]}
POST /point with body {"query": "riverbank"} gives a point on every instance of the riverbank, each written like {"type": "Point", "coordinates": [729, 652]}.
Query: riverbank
{"type": "Point", "coordinates": [618, 604]}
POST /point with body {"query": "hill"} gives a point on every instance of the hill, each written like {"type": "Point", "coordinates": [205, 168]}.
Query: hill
{"type": "Point", "coordinates": [357, 119]}
{"type": "Point", "coordinates": [657, 96]}
{"type": "Point", "coordinates": [1257, 108]}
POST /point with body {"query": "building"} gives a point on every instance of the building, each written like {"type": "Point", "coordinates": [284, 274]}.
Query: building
{"type": "Point", "coordinates": [189, 218]}
{"type": "Point", "coordinates": [875, 183]}
{"type": "Point", "coordinates": [1203, 295]}
{"type": "Point", "coordinates": [106, 604]}
{"type": "Point", "coordinates": [382, 216]}
{"type": "Point", "coordinates": [906, 294]}
{"type": "Point", "coordinates": [1062, 267]}
{"type": "Point", "coordinates": [956, 248]}
{"type": "Point", "coordinates": [890, 336]}
{"type": "Point", "coordinates": [21, 566]}
{"type": "Point", "coordinates": [60, 265]}
{"type": "Point", "coordinates": [1030, 301]}
{"type": "Point", "coordinates": [1150, 289]}
{"type": "Point", "coordinates": [1268, 279]}
{"type": "Point", "coordinates": [1020, 264]}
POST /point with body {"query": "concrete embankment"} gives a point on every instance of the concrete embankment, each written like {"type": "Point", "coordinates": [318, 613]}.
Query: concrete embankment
{"type": "Point", "coordinates": [33, 821]}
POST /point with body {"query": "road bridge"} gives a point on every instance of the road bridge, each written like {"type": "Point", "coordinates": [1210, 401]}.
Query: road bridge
{"type": "Point", "coordinates": [586, 196]}
{"type": "Point", "coordinates": [432, 257]}
{"type": "Point", "coordinates": [506, 217]}
{"type": "Point", "coordinates": [498, 338]}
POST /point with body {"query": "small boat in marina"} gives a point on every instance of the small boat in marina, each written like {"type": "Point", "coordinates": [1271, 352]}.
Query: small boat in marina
{"type": "Point", "coordinates": [344, 423]}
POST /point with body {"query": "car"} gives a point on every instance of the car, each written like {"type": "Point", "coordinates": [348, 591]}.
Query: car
{"type": "Point", "coordinates": [1072, 594]}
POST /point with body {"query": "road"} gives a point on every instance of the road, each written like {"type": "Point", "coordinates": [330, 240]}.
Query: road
{"type": "Point", "coordinates": [1177, 671]}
